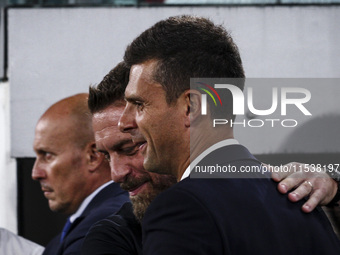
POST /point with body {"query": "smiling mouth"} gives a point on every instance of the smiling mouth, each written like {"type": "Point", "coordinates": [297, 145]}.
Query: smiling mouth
{"type": "Point", "coordinates": [139, 140]}
{"type": "Point", "coordinates": [137, 189]}
{"type": "Point", "coordinates": [141, 145]}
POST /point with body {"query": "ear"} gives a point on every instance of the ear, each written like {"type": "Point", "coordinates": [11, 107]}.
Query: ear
{"type": "Point", "coordinates": [193, 104]}
{"type": "Point", "coordinates": [94, 157]}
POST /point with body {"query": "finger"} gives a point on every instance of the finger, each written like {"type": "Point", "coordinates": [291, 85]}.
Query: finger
{"type": "Point", "coordinates": [314, 199]}
{"type": "Point", "coordinates": [290, 183]}
{"type": "Point", "coordinates": [278, 173]}
{"type": "Point", "coordinates": [326, 189]}
{"type": "Point", "coordinates": [276, 177]}
{"type": "Point", "coordinates": [282, 188]}
{"type": "Point", "coordinates": [300, 192]}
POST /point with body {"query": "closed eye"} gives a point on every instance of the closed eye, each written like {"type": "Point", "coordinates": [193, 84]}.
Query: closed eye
{"type": "Point", "coordinates": [128, 151]}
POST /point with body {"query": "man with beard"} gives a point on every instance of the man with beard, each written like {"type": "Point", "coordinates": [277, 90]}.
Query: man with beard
{"type": "Point", "coordinates": [120, 233]}
{"type": "Point", "coordinates": [225, 215]}
{"type": "Point", "coordinates": [73, 175]}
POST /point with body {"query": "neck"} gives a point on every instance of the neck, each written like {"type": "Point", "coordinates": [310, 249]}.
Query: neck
{"type": "Point", "coordinates": [200, 141]}
{"type": "Point", "coordinates": [182, 168]}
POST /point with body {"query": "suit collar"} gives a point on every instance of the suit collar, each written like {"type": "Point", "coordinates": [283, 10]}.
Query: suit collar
{"type": "Point", "coordinates": [227, 160]}
{"type": "Point", "coordinates": [212, 148]}
{"type": "Point", "coordinates": [87, 201]}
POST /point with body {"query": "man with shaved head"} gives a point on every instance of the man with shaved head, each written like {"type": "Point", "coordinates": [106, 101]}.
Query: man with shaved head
{"type": "Point", "coordinates": [73, 175]}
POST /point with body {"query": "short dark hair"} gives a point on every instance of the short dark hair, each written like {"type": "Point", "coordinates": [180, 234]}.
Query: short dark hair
{"type": "Point", "coordinates": [110, 90]}
{"type": "Point", "coordinates": [186, 47]}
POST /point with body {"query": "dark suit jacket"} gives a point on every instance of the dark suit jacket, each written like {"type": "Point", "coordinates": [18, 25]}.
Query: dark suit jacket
{"type": "Point", "coordinates": [106, 202]}
{"type": "Point", "coordinates": [118, 234]}
{"type": "Point", "coordinates": [233, 216]}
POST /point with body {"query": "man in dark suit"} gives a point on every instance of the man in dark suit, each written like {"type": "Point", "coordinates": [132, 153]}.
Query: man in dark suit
{"type": "Point", "coordinates": [73, 175]}
{"type": "Point", "coordinates": [230, 214]}
{"type": "Point", "coordinates": [120, 233]}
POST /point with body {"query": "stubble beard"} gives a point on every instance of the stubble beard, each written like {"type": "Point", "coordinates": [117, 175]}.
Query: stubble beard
{"type": "Point", "coordinates": [142, 201]}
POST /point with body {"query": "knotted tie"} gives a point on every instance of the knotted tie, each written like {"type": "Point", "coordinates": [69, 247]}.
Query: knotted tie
{"type": "Point", "coordinates": [65, 229]}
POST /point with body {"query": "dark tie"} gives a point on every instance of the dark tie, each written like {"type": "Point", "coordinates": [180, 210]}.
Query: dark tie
{"type": "Point", "coordinates": [65, 229]}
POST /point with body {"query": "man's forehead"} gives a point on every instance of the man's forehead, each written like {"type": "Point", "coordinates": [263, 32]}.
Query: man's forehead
{"type": "Point", "coordinates": [48, 128]}
{"type": "Point", "coordinates": [106, 132]}
{"type": "Point", "coordinates": [50, 137]}
{"type": "Point", "coordinates": [140, 73]}
{"type": "Point", "coordinates": [109, 115]}
{"type": "Point", "coordinates": [144, 70]}
{"type": "Point", "coordinates": [112, 139]}
{"type": "Point", "coordinates": [105, 124]}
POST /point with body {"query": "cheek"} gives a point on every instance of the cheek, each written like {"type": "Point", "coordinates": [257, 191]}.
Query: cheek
{"type": "Point", "coordinates": [65, 170]}
{"type": "Point", "coordinates": [68, 186]}
{"type": "Point", "coordinates": [77, 160]}
{"type": "Point", "coordinates": [140, 165]}
{"type": "Point", "coordinates": [138, 160]}
{"type": "Point", "coordinates": [150, 120]}
{"type": "Point", "coordinates": [60, 171]}
{"type": "Point", "coordinates": [56, 171]}
{"type": "Point", "coordinates": [116, 162]}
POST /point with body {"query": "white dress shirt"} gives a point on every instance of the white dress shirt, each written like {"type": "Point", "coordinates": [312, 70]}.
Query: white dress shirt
{"type": "Point", "coordinates": [86, 202]}
{"type": "Point", "coordinates": [212, 148]}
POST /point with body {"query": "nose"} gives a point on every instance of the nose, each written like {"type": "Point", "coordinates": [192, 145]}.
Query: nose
{"type": "Point", "coordinates": [38, 172]}
{"type": "Point", "coordinates": [127, 122]}
{"type": "Point", "coordinates": [120, 168]}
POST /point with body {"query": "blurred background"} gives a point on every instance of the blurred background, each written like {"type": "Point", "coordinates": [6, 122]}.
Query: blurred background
{"type": "Point", "coordinates": [51, 49]}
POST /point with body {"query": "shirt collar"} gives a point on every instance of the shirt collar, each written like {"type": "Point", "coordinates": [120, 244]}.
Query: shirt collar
{"type": "Point", "coordinates": [206, 152]}
{"type": "Point", "coordinates": [86, 202]}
